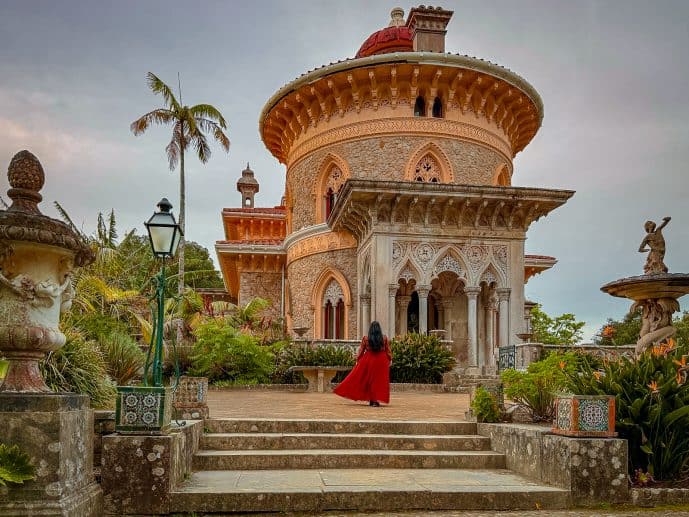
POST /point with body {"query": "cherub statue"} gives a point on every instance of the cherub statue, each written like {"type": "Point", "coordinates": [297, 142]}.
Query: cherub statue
{"type": "Point", "coordinates": [656, 247]}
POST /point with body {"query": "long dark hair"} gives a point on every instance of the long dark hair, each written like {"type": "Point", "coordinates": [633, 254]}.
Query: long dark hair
{"type": "Point", "coordinates": [375, 337]}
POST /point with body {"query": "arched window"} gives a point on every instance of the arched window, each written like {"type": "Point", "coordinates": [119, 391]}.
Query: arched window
{"type": "Point", "coordinates": [333, 311]}
{"type": "Point", "coordinates": [420, 107]}
{"type": "Point", "coordinates": [427, 170]}
{"type": "Point", "coordinates": [332, 187]}
{"type": "Point", "coordinates": [438, 108]}
{"type": "Point", "coordinates": [247, 202]}
{"type": "Point", "coordinates": [330, 198]}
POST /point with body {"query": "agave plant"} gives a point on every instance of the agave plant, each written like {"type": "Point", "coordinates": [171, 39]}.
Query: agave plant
{"type": "Point", "coordinates": [15, 465]}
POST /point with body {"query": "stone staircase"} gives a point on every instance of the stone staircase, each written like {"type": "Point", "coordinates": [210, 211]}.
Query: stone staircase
{"type": "Point", "coordinates": [267, 465]}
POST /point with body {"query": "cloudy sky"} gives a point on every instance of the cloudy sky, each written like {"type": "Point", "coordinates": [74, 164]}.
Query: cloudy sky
{"type": "Point", "coordinates": [613, 75]}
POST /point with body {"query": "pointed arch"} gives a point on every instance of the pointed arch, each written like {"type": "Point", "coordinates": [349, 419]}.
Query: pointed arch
{"type": "Point", "coordinates": [492, 274]}
{"type": "Point", "coordinates": [408, 272]}
{"type": "Point", "coordinates": [502, 177]}
{"type": "Point", "coordinates": [432, 151]}
{"type": "Point", "coordinates": [325, 291]}
{"type": "Point", "coordinates": [449, 259]}
{"type": "Point", "coordinates": [332, 174]}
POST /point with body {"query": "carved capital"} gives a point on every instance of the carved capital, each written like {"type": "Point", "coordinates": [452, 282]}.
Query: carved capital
{"type": "Point", "coordinates": [392, 290]}
{"type": "Point", "coordinates": [504, 294]}
{"type": "Point", "coordinates": [423, 290]}
{"type": "Point", "coordinates": [472, 292]}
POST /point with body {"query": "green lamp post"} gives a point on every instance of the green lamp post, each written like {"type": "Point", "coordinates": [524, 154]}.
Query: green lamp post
{"type": "Point", "coordinates": [147, 409]}
{"type": "Point", "coordinates": [164, 235]}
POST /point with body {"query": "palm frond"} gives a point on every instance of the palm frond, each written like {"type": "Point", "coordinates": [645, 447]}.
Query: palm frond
{"type": "Point", "coordinates": [173, 149]}
{"type": "Point", "coordinates": [158, 86]}
{"type": "Point", "coordinates": [68, 220]}
{"type": "Point", "coordinates": [203, 150]}
{"type": "Point", "coordinates": [158, 116]}
{"type": "Point", "coordinates": [211, 127]}
{"type": "Point", "coordinates": [209, 112]}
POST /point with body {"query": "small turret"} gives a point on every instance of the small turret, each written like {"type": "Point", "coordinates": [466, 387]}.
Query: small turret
{"type": "Point", "coordinates": [248, 186]}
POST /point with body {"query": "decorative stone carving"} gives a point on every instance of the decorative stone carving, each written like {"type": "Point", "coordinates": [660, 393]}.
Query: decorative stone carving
{"type": "Point", "coordinates": [656, 247]}
{"type": "Point", "coordinates": [427, 170]}
{"type": "Point", "coordinates": [333, 293]}
{"type": "Point", "coordinates": [424, 254]}
{"type": "Point", "coordinates": [37, 254]}
{"type": "Point", "coordinates": [408, 274]}
{"type": "Point", "coordinates": [449, 263]}
{"type": "Point", "coordinates": [488, 277]}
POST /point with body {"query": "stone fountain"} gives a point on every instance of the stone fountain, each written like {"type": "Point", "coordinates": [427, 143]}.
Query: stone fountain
{"type": "Point", "coordinates": [655, 292]}
{"type": "Point", "coordinates": [37, 255]}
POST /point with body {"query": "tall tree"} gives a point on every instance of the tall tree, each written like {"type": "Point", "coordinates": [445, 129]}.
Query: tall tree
{"type": "Point", "coordinates": [189, 128]}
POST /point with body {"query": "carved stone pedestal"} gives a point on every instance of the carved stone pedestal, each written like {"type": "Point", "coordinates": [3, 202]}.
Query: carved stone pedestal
{"type": "Point", "coordinates": [56, 431]}
{"type": "Point", "coordinates": [190, 400]}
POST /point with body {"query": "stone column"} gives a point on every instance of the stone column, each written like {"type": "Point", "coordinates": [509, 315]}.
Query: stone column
{"type": "Point", "coordinates": [423, 291]}
{"type": "Point", "coordinates": [472, 316]}
{"type": "Point", "coordinates": [491, 313]}
{"type": "Point", "coordinates": [392, 294]}
{"type": "Point", "coordinates": [365, 301]}
{"type": "Point", "coordinates": [504, 300]}
{"type": "Point", "coordinates": [448, 306]}
{"type": "Point", "coordinates": [402, 307]}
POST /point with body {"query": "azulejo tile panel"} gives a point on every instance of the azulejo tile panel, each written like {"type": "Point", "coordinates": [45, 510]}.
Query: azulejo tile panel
{"type": "Point", "coordinates": [585, 416]}
{"type": "Point", "coordinates": [142, 409]}
{"type": "Point", "coordinates": [593, 415]}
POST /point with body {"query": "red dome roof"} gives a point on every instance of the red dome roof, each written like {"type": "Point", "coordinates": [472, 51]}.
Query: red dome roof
{"type": "Point", "coordinates": [389, 39]}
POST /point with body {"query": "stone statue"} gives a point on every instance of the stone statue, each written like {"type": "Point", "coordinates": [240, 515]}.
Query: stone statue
{"type": "Point", "coordinates": [656, 247]}
{"type": "Point", "coordinates": [656, 320]}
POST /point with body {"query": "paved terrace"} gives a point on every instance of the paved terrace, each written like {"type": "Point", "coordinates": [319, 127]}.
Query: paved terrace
{"type": "Point", "coordinates": [439, 407]}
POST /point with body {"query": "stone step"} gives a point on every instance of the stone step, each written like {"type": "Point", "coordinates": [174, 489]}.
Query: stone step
{"type": "Point", "coordinates": [275, 441]}
{"type": "Point", "coordinates": [345, 459]}
{"type": "Point", "coordinates": [269, 425]}
{"type": "Point", "coordinates": [381, 490]}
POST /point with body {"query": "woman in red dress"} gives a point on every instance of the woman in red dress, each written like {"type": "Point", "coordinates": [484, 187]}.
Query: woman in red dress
{"type": "Point", "coordinates": [370, 377]}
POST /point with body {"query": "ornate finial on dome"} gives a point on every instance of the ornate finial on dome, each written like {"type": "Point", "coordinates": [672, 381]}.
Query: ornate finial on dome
{"type": "Point", "coordinates": [26, 177]}
{"type": "Point", "coordinates": [397, 17]}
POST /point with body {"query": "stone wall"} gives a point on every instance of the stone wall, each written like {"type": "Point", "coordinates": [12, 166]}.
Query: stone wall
{"type": "Point", "coordinates": [140, 471]}
{"type": "Point", "coordinates": [593, 469]}
{"type": "Point", "coordinates": [303, 274]}
{"type": "Point", "coordinates": [385, 158]}
{"type": "Point", "coordinates": [262, 285]}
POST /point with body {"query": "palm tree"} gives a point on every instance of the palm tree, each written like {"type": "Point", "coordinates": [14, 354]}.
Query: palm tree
{"type": "Point", "coordinates": [189, 128]}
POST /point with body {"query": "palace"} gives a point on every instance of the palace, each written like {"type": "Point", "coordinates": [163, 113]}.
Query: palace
{"type": "Point", "coordinates": [398, 202]}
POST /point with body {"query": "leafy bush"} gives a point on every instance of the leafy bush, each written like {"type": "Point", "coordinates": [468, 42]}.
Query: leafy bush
{"type": "Point", "coordinates": [95, 325]}
{"type": "Point", "coordinates": [288, 355]}
{"type": "Point", "coordinates": [15, 465]}
{"type": "Point", "coordinates": [419, 359]}
{"type": "Point", "coordinates": [123, 357]}
{"type": "Point", "coordinates": [223, 353]}
{"type": "Point", "coordinates": [79, 367]}
{"type": "Point", "coordinates": [485, 406]}
{"type": "Point", "coordinates": [536, 388]}
{"type": "Point", "coordinates": [651, 403]}
{"type": "Point", "coordinates": [184, 354]}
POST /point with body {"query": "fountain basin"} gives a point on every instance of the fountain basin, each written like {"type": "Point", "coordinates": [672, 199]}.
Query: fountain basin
{"type": "Point", "coordinates": [645, 287]}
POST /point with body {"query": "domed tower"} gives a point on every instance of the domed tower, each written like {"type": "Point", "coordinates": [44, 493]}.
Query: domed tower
{"type": "Point", "coordinates": [399, 202]}
{"type": "Point", "coordinates": [248, 186]}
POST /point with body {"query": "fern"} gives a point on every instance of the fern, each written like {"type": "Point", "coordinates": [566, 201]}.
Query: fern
{"type": "Point", "coordinates": [15, 465]}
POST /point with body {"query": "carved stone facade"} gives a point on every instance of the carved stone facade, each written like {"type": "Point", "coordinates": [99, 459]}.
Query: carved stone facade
{"type": "Point", "coordinates": [398, 198]}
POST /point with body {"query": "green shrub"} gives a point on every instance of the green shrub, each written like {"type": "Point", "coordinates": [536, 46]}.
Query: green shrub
{"type": "Point", "coordinates": [97, 325]}
{"type": "Point", "coordinates": [419, 359]}
{"type": "Point", "coordinates": [223, 353]}
{"type": "Point", "coordinates": [79, 367]}
{"type": "Point", "coordinates": [484, 406]}
{"type": "Point", "coordinates": [651, 404]}
{"type": "Point", "coordinates": [15, 465]}
{"type": "Point", "coordinates": [537, 387]}
{"type": "Point", "coordinates": [183, 354]}
{"type": "Point", "coordinates": [288, 355]}
{"type": "Point", "coordinates": [123, 357]}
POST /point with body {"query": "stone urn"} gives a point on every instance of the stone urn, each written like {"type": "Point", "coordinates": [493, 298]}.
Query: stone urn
{"type": "Point", "coordinates": [37, 255]}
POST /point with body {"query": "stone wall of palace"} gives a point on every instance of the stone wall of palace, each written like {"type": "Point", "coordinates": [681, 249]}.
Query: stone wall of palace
{"type": "Point", "coordinates": [303, 275]}
{"type": "Point", "coordinates": [262, 285]}
{"type": "Point", "coordinates": [385, 158]}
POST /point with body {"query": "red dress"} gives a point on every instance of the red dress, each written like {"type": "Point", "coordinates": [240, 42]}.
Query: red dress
{"type": "Point", "coordinates": [370, 377]}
